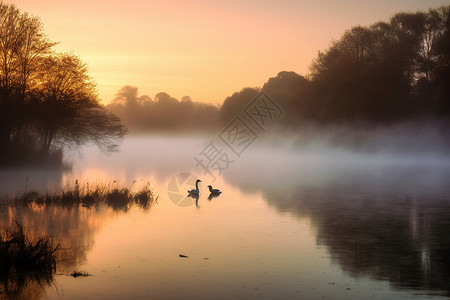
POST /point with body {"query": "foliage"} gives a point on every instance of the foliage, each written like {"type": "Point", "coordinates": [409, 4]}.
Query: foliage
{"type": "Point", "coordinates": [235, 104]}
{"type": "Point", "coordinates": [386, 73]}
{"type": "Point", "coordinates": [48, 102]}
{"type": "Point", "coordinates": [381, 73]}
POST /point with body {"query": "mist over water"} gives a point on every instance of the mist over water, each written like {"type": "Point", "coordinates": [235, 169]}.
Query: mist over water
{"type": "Point", "coordinates": [331, 185]}
{"type": "Point", "coordinates": [365, 221]}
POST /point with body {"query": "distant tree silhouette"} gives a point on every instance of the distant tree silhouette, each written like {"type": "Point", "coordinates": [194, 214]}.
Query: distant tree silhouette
{"type": "Point", "coordinates": [236, 103]}
{"type": "Point", "coordinates": [375, 73]}
{"type": "Point", "coordinates": [380, 74]}
{"type": "Point", "coordinates": [164, 113]}
{"type": "Point", "coordinates": [292, 92]}
{"type": "Point", "coordinates": [127, 95]}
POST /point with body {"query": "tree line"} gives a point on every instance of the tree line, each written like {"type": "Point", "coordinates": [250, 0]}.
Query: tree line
{"type": "Point", "coordinates": [163, 112]}
{"type": "Point", "coordinates": [380, 74]}
{"type": "Point", "coordinates": [385, 73]}
{"type": "Point", "coordinates": [48, 102]}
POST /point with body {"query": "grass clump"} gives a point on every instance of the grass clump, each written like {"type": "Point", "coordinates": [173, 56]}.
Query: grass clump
{"type": "Point", "coordinates": [23, 259]}
{"type": "Point", "coordinates": [118, 198]}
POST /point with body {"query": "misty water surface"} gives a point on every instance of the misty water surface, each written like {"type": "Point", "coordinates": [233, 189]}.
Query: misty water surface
{"type": "Point", "coordinates": [291, 223]}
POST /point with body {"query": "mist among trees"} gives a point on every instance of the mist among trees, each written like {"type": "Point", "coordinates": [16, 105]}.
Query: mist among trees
{"type": "Point", "coordinates": [384, 74]}
{"type": "Point", "coordinates": [381, 86]}
{"type": "Point", "coordinates": [163, 112]}
{"type": "Point", "coordinates": [379, 75]}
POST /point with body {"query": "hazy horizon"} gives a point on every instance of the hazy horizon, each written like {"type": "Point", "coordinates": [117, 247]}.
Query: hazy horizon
{"type": "Point", "coordinates": [221, 168]}
{"type": "Point", "coordinates": [206, 49]}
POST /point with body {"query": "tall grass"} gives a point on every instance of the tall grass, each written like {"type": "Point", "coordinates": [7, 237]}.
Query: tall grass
{"type": "Point", "coordinates": [23, 260]}
{"type": "Point", "coordinates": [118, 198]}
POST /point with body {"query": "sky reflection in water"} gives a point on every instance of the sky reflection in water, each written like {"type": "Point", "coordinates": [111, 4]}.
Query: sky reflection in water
{"type": "Point", "coordinates": [288, 225]}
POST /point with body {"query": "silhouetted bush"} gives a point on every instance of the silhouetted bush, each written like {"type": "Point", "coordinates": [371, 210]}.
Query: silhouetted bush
{"type": "Point", "coordinates": [23, 260]}
{"type": "Point", "coordinates": [118, 198]}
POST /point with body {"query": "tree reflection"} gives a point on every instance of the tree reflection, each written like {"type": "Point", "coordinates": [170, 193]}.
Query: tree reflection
{"type": "Point", "coordinates": [73, 227]}
{"type": "Point", "coordinates": [388, 236]}
{"type": "Point", "coordinates": [24, 260]}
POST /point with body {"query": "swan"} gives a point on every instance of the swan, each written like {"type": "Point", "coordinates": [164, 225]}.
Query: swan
{"type": "Point", "coordinates": [214, 191]}
{"type": "Point", "coordinates": [195, 191]}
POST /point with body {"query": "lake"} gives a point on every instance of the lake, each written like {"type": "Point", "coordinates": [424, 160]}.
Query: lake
{"type": "Point", "coordinates": [291, 223]}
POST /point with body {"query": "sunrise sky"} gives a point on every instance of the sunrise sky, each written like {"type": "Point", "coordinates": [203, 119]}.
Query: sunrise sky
{"type": "Point", "coordinates": [206, 49]}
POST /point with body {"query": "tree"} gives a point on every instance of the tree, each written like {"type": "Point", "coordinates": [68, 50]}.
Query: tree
{"type": "Point", "coordinates": [22, 44]}
{"type": "Point", "coordinates": [291, 92]}
{"type": "Point", "coordinates": [47, 100]}
{"type": "Point", "coordinates": [164, 113]}
{"type": "Point", "coordinates": [165, 99]}
{"type": "Point", "coordinates": [432, 30]}
{"type": "Point", "coordinates": [373, 73]}
{"type": "Point", "coordinates": [127, 95]}
{"type": "Point", "coordinates": [236, 103]}
{"type": "Point", "coordinates": [70, 112]}
{"type": "Point", "coordinates": [441, 74]}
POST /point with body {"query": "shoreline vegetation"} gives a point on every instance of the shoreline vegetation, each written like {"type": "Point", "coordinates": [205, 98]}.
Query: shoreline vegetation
{"type": "Point", "coordinates": [25, 259]}
{"type": "Point", "coordinates": [90, 196]}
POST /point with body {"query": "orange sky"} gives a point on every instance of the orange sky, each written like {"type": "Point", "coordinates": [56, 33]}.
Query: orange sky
{"type": "Point", "coordinates": [206, 49]}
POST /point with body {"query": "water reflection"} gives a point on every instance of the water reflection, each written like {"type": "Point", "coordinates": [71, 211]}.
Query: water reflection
{"type": "Point", "coordinates": [24, 263]}
{"type": "Point", "coordinates": [71, 225]}
{"type": "Point", "coordinates": [32, 287]}
{"type": "Point", "coordinates": [212, 196]}
{"type": "Point", "coordinates": [389, 222]}
{"type": "Point", "coordinates": [403, 240]}
{"type": "Point", "coordinates": [379, 218]}
{"type": "Point", "coordinates": [16, 182]}
{"type": "Point", "coordinates": [194, 197]}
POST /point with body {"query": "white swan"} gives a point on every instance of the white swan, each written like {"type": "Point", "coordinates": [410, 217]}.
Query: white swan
{"type": "Point", "coordinates": [195, 191]}
{"type": "Point", "coordinates": [214, 191]}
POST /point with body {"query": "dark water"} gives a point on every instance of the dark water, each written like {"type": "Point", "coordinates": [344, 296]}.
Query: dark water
{"type": "Point", "coordinates": [316, 224]}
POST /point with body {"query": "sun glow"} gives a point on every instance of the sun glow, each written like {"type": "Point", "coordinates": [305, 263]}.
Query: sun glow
{"type": "Point", "coordinates": [205, 49]}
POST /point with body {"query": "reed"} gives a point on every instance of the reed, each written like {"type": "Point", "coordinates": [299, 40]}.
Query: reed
{"type": "Point", "coordinates": [24, 259]}
{"type": "Point", "coordinates": [118, 198]}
